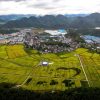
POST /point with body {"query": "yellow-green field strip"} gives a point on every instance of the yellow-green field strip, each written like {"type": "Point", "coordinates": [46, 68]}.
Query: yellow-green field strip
{"type": "Point", "coordinates": [83, 69]}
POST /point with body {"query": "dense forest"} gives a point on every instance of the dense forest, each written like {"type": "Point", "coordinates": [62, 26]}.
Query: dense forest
{"type": "Point", "coordinates": [94, 32]}
{"type": "Point", "coordinates": [83, 31]}
{"type": "Point", "coordinates": [8, 31]}
{"type": "Point", "coordinates": [8, 93]}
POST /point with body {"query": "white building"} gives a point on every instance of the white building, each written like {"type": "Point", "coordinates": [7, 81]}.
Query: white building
{"type": "Point", "coordinates": [56, 32]}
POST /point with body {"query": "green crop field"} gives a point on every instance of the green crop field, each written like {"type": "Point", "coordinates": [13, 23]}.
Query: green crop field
{"type": "Point", "coordinates": [22, 67]}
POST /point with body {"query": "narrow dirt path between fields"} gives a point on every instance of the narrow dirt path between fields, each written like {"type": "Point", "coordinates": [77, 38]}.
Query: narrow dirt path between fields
{"type": "Point", "coordinates": [26, 77]}
{"type": "Point", "coordinates": [83, 68]}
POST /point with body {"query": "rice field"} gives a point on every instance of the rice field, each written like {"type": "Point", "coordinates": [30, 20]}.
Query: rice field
{"type": "Point", "coordinates": [21, 66]}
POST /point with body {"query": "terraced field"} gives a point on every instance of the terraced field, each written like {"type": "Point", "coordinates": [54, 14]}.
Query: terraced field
{"type": "Point", "coordinates": [66, 70]}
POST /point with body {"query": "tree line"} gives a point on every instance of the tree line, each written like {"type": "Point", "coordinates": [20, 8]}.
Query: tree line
{"type": "Point", "coordinates": [8, 93]}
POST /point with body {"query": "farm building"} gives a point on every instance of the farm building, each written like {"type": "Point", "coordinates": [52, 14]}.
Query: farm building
{"type": "Point", "coordinates": [44, 63]}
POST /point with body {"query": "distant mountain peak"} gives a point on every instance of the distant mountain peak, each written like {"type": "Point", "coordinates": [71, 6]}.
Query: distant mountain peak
{"type": "Point", "coordinates": [58, 21]}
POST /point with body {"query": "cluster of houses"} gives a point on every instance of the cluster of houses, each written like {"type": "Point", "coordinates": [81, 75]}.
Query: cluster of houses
{"type": "Point", "coordinates": [13, 38]}
{"type": "Point", "coordinates": [92, 42]}
{"type": "Point", "coordinates": [49, 41]}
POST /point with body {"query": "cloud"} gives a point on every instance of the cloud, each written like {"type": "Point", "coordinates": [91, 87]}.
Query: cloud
{"type": "Point", "coordinates": [13, 0]}
{"type": "Point", "coordinates": [43, 4]}
{"type": "Point", "coordinates": [48, 6]}
{"type": "Point", "coordinates": [38, 5]}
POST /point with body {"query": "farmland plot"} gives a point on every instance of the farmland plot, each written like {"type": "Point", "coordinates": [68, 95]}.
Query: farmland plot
{"type": "Point", "coordinates": [66, 70]}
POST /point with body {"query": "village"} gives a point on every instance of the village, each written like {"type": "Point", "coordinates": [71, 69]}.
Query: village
{"type": "Point", "coordinates": [48, 41]}
{"type": "Point", "coordinates": [13, 38]}
{"type": "Point", "coordinates": [91, 42]}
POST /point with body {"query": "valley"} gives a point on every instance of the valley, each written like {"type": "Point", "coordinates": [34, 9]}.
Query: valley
{"type": "Point", "coordinates": [23, 69]}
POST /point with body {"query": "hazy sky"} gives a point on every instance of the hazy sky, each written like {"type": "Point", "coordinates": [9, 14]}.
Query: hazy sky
{"type": "Point", "coordinates": [42, 7]}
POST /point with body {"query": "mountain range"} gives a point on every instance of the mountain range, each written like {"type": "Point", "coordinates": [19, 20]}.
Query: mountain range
{"type": "Point", "coordinates": [2, 21]}
{"type": "Point", "coordinates": [5, 18]}
{"type": "Point", "coordinates": [14, 16]}
{"type": "Point", "coordinates": [58, 21]}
